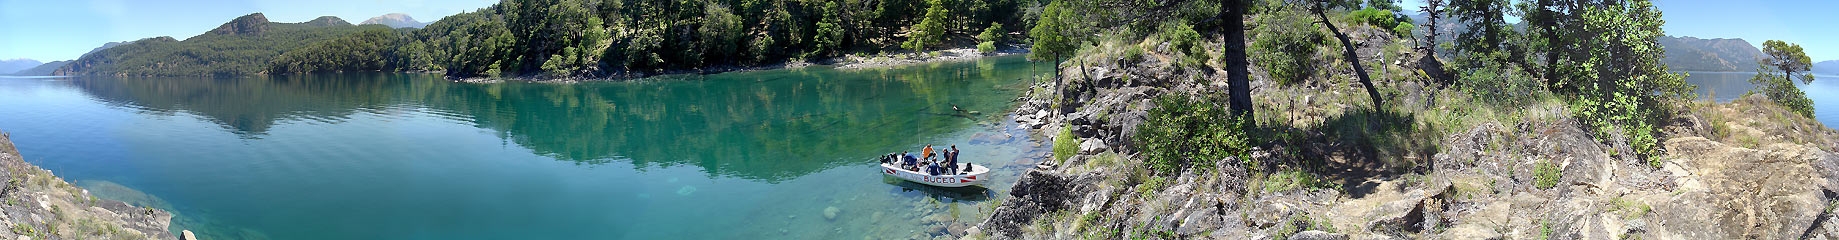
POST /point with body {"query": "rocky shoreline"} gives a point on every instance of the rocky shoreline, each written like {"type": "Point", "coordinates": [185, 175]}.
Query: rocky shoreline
{"type": "Point", "coordinates": [40, 205]}
{"type": "Point", "coordinates": [846, 62]}
{"type": "Point", "coordinates": [1741, 170]}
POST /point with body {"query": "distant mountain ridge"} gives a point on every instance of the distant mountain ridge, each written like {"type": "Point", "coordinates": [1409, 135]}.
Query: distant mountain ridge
{"type": "Point", "coordinates": [14, 65]}
{"type": "Point", "coordinates": [241, 47]}
{"type": "Point", "coordinates": [47, 68]}
{"type": "Point", "coordinates": [1716, 54]}
{"type": "Point", "coordinates": [1827, 67]}
{"type": "Point", "coordinates": [395, 20]}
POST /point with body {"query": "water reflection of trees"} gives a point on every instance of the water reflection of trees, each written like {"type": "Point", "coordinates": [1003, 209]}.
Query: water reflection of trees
{"type": "Point", "coordinates": [769, 125]}
{"type": "Point", "coordinates": [248, 106]}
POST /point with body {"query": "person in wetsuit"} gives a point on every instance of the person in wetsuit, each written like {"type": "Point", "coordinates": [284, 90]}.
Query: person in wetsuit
{"type": "Point", "coordinates": [951, 159]}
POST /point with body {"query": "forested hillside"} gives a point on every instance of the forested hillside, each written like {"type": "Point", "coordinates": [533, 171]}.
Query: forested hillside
{"type": "Point", "coordinates": [577, 38]}
{"type": "Point", "coordinates": [243, 47]}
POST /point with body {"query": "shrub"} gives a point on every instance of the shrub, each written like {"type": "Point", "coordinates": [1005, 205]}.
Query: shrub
{"type": "Point", "coordinates": [1284, 45]}
{"type": "Point", "coordinates": [1182, 132]}
{"type": "Point", "coordinates": [1184, 40]}
{"type": "Point", "coordinates": [989, 38]}
{"type": "Point", "coordinates": [1500, 85]}
{"type": "Point", "coordinates": [1545, 174]}
{"type": "Point", "coordinates": [1382, 19]}
{"type": "Point", "coordinates": [1065, 145]}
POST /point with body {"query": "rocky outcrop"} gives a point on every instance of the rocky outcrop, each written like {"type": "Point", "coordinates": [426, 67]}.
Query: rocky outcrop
{"type": "Point", "coordinates": [1740, 170]}
{"type": "Point", "coordinates": [252, 24]}
{"type": "Point", "coordinates": [40, 205]}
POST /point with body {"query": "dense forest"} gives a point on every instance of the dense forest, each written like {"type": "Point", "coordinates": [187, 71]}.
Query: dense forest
{"type": "Point", "coordinates": [242, 47]}
{"type": "Point", "coordinates": [576, 38]}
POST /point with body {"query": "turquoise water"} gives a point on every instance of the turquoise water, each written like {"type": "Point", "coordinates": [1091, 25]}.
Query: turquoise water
{"type": "Point", "coordinates": [399, 156]}
{"type": "Point", "coordinates": [1725, 86]}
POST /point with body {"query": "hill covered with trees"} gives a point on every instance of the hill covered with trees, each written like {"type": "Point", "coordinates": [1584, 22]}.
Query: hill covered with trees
{"type": "Point", "coordinates": [242, 47]}
{"type": "Point", "coordinates": [576, 38]}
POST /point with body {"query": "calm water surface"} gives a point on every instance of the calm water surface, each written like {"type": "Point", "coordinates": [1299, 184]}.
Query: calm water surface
{"type": "Point", "coordinates": [1725, 86]}
{"type": "Point", "coordinates": [395, 156]}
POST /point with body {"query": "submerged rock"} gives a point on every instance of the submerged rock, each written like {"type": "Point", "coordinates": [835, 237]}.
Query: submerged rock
{"type": "Point", "coordinates": [830, 213]}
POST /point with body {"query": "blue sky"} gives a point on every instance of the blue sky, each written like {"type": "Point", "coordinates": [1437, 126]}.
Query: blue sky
{"type": "Point", "coordinates": [50, 30]}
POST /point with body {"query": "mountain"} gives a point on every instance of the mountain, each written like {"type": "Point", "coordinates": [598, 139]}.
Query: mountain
{"type": "Point", "coordinates": [241, 47]}
{"type": "Point", "coordinates": [1717, 54]}
{"type": "Point", "coordinates": [47, 68]}
{"type": "Point", "coordinates": [1827, 67]}
{"type": "Point", "coordinates": [14, 65]}
{"type": "Point", "coordinates": [395, 20]}
{"type": "Point", "coordinates": [42, 69]}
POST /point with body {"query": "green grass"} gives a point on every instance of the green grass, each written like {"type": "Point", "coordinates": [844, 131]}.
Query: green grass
{"type": "Point", "coordinates": [1630, 209]}
{"type": "Point", "coordinates": [1150, 187]}
{"type": "Point", "coordinates": [1292, 179]}
{"type": "Point", "coordinates": [1545, 174]}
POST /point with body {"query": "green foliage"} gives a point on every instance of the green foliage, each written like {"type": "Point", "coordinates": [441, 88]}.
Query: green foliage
{"type": "Point", "coordinates": [1182, 133]}
{"type": "Point", "coordinates": [1065, 145]}
{"type": "Point", "coordinates": [1054, 36]}
{"type": "Point", "coordinates": [1284, 45]}
{"type": "Point", "coordinates": [1291, 180]}
{"type": "Point", "coordinates": [990, 36]}
{"type": "Point", "coordinates": [1184, 41]}
{"type": "Point", "coordinates": [931, 29]}
{"type": "Point", "coordinates": [369, 50]}
{"type": "Point", "coordinates": [1382, 19]}
{"type": "Point", "coordinates": [1149, 188]}
{"type": "Point", "coordinates": [1623, 87]}
{"type": "Point", "coordinates": [1775, 76]}
{"type": "Point", "coordinates": [1545, 174]}
{"type": "Point", "coordinates": [214, 54]}
{"type": "Point", "coordinates": [1499, 85]}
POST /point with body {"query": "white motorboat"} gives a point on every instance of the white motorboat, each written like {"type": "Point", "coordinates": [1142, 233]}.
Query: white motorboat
{"type": "Point", "coordinates": [972, 176]}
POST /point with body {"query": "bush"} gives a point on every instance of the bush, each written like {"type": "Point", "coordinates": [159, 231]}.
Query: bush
{"type": "Point", "coordinates": [1065, 145]}
{"type": "Point", "coordinates": [990, 36]}
{"type": "Point", "coordinates": [1545, 174]}
{"type": "Point", "coordinates": [1382, 19]}
{"type": "Point", "coordinates": [1284, 45]}
{"type": "Point", "coordinates": [1185, 41]}
{"type": "Point", "coordinates": [1182, 132]}
{"type": "Point", "coordinates": [1500, 85]}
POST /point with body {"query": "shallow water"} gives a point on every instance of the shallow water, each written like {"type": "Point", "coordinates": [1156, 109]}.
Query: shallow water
{"type": "Point", "coordinates": [744, 155]}
{"type": "Point", "coordinates": [1726, 86]}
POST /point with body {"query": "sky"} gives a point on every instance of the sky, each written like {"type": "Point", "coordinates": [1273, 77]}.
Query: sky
{"type": "Point", "coordinates": [52, 30]}
{"type": "Point", "coordinates": [1805, 22]}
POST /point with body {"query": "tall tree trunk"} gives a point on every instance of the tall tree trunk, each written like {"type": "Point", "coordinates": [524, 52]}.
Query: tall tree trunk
{"type": "Point", "coordinates": [1238, 78]}
{"type": "Point", "coordinates": [1352, 56]}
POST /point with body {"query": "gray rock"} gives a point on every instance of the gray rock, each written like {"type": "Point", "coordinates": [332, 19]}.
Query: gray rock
{"type": "Point", "coordinates": [1318, 235]}
{"type": "Point", "coordinates": [1092, 146]}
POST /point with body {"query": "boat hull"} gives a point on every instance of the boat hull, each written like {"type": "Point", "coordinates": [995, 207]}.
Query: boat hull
{"type": "Point", "coordinates": [974, 177]}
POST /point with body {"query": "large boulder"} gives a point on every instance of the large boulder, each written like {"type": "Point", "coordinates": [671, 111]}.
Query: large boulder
{"type": "Point", "coordinates": [1741, 193]}
{"type": "Point", "coordinates": [1034, 194]}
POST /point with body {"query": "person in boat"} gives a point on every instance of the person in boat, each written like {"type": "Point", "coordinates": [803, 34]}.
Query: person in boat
{"type": "Point", "coordinates": [926, 153]}
{"type": "Point", "coordinates": [907, 160]}
{"type": "Point", "coordinates": [932, 167]}
{"type": "Point", "coordinates": [951, 160]}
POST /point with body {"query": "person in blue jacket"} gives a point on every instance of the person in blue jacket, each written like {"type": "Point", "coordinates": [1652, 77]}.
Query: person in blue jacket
{"type": "Point", "coordinates": [908, 161]}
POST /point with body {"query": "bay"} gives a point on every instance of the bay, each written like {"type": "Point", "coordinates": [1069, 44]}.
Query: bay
{"type": "Point", "coordinates": [744, 155]}
{"type": "Point", "coordinates": [1726, 86]}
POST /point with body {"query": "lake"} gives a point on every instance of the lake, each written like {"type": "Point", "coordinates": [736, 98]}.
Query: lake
{"type": "Point", "coordinates": [745, 155]}
{"type": "Point", "coordinates": [1725, 86]}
